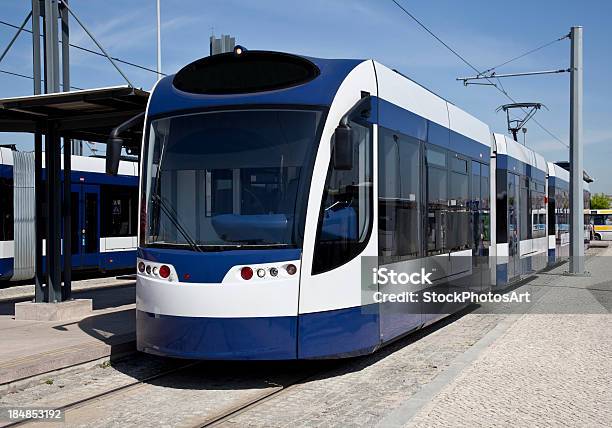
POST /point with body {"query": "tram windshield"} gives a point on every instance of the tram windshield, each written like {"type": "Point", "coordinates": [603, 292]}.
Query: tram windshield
{"type": "Point", "coordinates": [229, 179]}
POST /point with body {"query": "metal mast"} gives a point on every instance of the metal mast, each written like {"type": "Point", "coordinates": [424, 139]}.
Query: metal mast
{"type": "Point", "coordinates": [576, 265]}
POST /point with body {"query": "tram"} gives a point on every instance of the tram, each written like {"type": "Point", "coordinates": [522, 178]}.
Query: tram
{"type": "Point", "coordinates": [268, 178]}
{"type": "Point", "coordinates": [104, 215]}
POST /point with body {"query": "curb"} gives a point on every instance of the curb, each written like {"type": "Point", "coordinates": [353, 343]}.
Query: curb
{"type": "Point", "coordinates": [21, 292]}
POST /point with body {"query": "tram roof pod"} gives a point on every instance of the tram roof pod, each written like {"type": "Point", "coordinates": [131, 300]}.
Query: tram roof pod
{"type": "Point", "coordinates": [250, 77]}
{"type": "Point", "coordinates": [243, 71]}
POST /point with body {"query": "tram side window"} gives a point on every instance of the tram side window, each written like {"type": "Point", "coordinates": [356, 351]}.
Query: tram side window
{"type": "Point", "coordinates": [346, 209]}
{"type": "Point", "coordinates": [118, 211]}
{"type": "Point", "coordinates": [551, 210]}
{"type": "Point", "coordinates": [398, 196]}
{"type": "Point", "coordinates": [480, 204]}
{"type": "Point", "coordinates": [6, 209]}
{"type": "Point", "coordinates": [458, 216]}
{"type": "Point", "coordinates": [485, 196]}
{"type": "Point", "coordinates": [538, 210]}
{"type": "Point", "coordinates": [437, 200]}
{"type": "Point", "coordinates": [524, 214]}
{"type": "Point", "coordinates": [561, 211]}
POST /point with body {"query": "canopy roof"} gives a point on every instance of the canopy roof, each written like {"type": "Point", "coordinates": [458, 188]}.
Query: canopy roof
{"type": "Point", "coordinates": [89, 114]}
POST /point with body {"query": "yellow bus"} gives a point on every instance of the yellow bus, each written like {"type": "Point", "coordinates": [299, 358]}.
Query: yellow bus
{"type": "Point", "coordinates": [601, 221]}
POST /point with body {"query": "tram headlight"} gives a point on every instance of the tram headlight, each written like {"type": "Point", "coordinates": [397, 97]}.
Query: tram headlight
{"type": "Point", "coordinates": [141, 267]}
{"type": "Point", "coordinates": [273, 271]}
{"type": "Point", "coordinates": [261, 272]}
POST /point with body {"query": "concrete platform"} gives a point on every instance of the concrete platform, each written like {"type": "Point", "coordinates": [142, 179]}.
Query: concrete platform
{"type": "Point", "coordinates": [31, 348]}
{"type": "Point", "coordinates": [62, 311]}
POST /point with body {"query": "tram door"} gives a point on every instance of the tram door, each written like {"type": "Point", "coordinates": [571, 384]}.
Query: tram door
{"type": "Point", "coordinates": [513, 226]}
{"type": "Point", "coordinates": [85, 236]}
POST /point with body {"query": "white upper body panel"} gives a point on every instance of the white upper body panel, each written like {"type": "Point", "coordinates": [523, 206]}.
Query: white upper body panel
{"type": "Point", "coordinates": [555, 170]}
{"type": "Point", "coordinates": [409, 95]}
{"type": "Point", "coordinates": [466, 124]}
{"type": "Point", "coordinates": [404, 93]}
{"type": "Point", "coordinates": [339, 287]}
{"type": "Point", "coordinates": [507, 146]}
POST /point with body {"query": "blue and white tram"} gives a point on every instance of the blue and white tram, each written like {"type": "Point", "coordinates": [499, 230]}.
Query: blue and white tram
{"type": "Point", "coordinates": [266, 177]}
{"type": "Point", "coordinates": [104, 215]}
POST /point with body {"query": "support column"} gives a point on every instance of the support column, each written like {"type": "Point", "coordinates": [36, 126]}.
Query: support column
{"type": "Point", "coordinates": [576, 264]}
{"type": "Point", "coordinates": [67, 209]}
{"type": "Point", "coordinates": [40, 291]}
{"type": "Point", "coordinates": [67, 212]}
{"type": "Point", "coordinates": [54, 214]}
{"type": "Point", "coordinates": [51, 48]}
{"type": "Point", "coordinates": [65, 47]}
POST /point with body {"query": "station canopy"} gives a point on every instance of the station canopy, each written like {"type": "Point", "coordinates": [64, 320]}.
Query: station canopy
{"type": "Point", "coordinates": [88, 115]}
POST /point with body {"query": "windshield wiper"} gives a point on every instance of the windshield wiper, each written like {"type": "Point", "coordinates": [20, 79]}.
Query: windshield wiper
{"type": "Point", "coordinates": [175, 222]}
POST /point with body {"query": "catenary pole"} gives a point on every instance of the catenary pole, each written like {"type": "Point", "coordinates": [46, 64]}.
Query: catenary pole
{"type": "Point", "coordinates": [576, 265]}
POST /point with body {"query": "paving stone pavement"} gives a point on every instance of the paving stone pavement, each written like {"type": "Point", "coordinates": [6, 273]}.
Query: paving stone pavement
{"type": "Point", "coordinates": [545, 371]}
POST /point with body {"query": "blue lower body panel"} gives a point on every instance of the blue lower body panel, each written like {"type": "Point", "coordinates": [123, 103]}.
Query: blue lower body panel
{"type": "Point", "coordinates": [340, 333]}
{"type": "Point", "coordinates": [118, 260]}
{"type": "Point", "coordinates": [265, 338]}
{"type": "Point", "coordinates": [551, 257]}
{"type": "Point", "coordinates": [6, 269]}
{"type": "Point", "coordinates": [502, 275]}
{"type": "Point", "coordinates": [332, 334]}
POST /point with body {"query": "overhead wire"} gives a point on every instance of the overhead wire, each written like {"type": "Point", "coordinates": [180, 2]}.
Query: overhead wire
{"type": "Point", "coordinates": [469, 64]}
{"type": "Point", "coordinates": [25, 76]}
{"type": "Point", "coordinates": [526, 53]}
{"type": "Point", "coordinates": [8, 24]}
{"type": "Point", "coordinates": [11, 73]}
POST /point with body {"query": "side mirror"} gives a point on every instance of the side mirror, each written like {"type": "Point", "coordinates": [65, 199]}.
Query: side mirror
{"type": "Point", "coordinates": [113, 155]}
{"type": "Point", "coordinates": [343, 148]}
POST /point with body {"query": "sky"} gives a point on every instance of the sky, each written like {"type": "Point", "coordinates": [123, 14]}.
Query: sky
{"type": "Point", "coordinates": [485, 33]}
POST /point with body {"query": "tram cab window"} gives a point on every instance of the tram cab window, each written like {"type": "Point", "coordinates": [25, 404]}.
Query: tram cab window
{"type": "Point", "coordinates": [346, 210]}
{"type": "Point", "coordinates": [6, 209]}
{"type": "Point", "coordinates": [437, 200]}
{"type": "Point", "coordinates": [229, 179]}
{"type": "Point", "coordinates": [399, 196]}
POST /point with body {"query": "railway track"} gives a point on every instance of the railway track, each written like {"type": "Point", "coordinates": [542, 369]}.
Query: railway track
{"type": "Point", "coordinates": [110, 393]}
{"type": "Point", "coordinates": [169, 376]}
{"type": "Point", "coordinates": [220, 418]}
